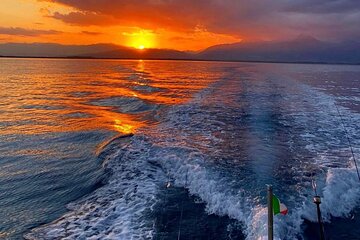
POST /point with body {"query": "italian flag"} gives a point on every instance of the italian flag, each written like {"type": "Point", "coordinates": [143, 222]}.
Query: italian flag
{"type": "Point", "coordinates": [279, 207]}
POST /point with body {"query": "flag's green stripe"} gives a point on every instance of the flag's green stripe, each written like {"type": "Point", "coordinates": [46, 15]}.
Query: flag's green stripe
{"type": "Point", "coordinates": [276, 205]}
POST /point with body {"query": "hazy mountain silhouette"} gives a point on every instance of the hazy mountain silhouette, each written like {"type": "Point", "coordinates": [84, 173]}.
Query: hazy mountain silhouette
{"type": "Point", "coordinates": [53, 49]}
{"type": "Point", "coordinates": [301, 49]}
{"type": "Point", "coordinates": [151, 53]}
{"type": "Point", "coordinates": [91, 51]}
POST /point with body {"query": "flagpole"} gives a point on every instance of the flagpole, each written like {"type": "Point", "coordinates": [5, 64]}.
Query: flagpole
{"type": "Point", "coordinates": [317, 201]}
{"type": "Point", "coordinates": [270, 212]}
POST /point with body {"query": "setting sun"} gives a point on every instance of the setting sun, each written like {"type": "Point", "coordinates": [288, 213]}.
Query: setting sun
{"type": "Point", "coordinates": [141, 39]}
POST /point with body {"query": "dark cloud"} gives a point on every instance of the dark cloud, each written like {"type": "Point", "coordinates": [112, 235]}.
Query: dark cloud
{"type": "Point", "coordinates": [91, 33]}
{"type": "Point", "coordinates": [85, 18]}
{"type": "Point", "coordinates": [26, 32]}
{"type": "Point", "coordinates": [325, 6]}
{"type": "Point", "coordinates": [266, 19]}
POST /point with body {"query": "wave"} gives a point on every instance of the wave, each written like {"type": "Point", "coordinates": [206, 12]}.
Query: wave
{"type": "Point", "coordinates": [130, 105]}
{"type": "Point", "coordinates": [120, 208]}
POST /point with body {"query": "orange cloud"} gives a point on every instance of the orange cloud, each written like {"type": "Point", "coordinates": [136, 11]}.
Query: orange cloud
{"type": "Point", "coordinates": [179, 24]}
{"type": "Point", "coordinates": [256, 19]}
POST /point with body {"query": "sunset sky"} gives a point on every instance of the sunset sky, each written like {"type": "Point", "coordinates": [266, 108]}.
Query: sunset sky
{"type": "Point", "coordinates": [176, 24]}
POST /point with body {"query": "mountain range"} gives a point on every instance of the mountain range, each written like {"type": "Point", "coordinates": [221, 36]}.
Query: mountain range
{"type": "Point", "coordinates": [301, 49]}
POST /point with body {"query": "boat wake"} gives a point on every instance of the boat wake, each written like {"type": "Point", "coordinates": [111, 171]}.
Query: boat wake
{"type": "Point", "coordinates": [224, 150]}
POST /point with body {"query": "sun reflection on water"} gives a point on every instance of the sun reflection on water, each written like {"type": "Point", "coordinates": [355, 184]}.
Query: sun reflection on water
{"type": "Point", "coordinates": [123, 127]}
{"type": "Point", "coordinates": [58, 95]}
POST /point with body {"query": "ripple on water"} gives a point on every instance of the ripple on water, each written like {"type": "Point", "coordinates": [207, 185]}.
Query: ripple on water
{"type": "Point", "coordinates": [130, 105]}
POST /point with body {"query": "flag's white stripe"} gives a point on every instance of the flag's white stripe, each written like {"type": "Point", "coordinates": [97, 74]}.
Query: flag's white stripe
{"type": "Point", "coordinates": [282, 207]}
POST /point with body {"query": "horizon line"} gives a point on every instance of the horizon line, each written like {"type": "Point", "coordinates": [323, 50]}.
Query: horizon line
{"type": "Point", "coordinates": [185, 59]}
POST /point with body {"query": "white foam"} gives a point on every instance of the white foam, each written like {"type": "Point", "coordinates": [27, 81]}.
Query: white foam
{"type": "Point", "coordinates": [120, 209]}
{"type": "Point", "coordinates": [341, 193]}
{"type": "Point", "coordinates": [218, 192]}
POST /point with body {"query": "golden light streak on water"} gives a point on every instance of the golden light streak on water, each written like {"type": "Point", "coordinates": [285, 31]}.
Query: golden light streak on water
{"type": "Point", "coordinates": [59, 95]}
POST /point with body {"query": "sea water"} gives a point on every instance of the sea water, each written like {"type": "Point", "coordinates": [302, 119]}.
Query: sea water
{"type": "Point", "coordinates": [110, 149]}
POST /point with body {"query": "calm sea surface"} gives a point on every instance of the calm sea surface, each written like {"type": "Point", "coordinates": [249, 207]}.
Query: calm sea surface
{"type": "Point", "coordinates": [208, 137]}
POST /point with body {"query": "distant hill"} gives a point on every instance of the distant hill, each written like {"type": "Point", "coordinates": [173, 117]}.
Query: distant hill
{"type": "Point", "coordinates": [151, 53]}
{"type": "Point", "coordinates": [302, 49]}
{"type": "Point", "coordinates": [91, 51]}
{"type": "Point", "coordinates": [52, 49]}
